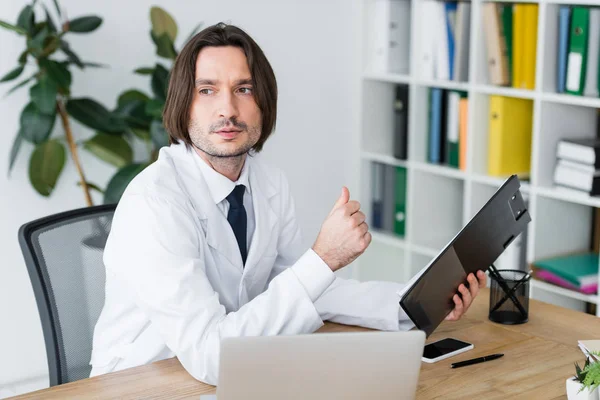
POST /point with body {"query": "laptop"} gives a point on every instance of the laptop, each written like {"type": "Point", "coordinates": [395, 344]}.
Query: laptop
{"type": "Point", "coordinates": [353, 365]}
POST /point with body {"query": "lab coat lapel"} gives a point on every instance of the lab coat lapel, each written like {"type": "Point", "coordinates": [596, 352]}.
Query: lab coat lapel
{"type": "Point", "coordinates": [219, 234]}
{"type": "Point", "coordinates": [265, 218]}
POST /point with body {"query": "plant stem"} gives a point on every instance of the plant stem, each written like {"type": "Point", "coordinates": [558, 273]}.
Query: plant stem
{"type": "Point", "coordinates": [73, 148]}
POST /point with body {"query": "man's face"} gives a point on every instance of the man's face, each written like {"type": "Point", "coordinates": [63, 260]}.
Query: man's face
{"type": "Point", "coordinates": [225, 120]}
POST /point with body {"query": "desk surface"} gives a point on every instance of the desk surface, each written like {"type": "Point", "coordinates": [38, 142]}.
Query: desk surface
{"type": "Point", "coordinates": [538, 357]}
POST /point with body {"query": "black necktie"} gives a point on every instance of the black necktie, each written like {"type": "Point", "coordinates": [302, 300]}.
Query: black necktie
{"type": "Point", "coordinates": [237, 218]}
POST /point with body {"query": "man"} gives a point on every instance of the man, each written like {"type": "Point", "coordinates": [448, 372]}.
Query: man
{"type": "Point", "coordinates": [205, 243]}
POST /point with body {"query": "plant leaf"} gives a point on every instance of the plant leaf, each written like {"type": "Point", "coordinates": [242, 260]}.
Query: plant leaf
{"type": "Point", "coordinates": [158, 133]}
{"type": "Point", "coordinates": [46, 164]}
{"type": "Point", "coordinates": [23, 57]}
{"type": "Point", "coordinates": [51, 44]}
{"type": "Point", "coordinates": [57, 8]}
{"type": "Point", "coordinates": [95, 65]}
{"type": "Point", "coordinates": [43, 94]}
{"type": "Point", "coordinates": [134, 114]}
{"type": "Point", "coordinates": [73, 58]}
{"type": "Point", "coordinates": [131, 95]}
{"type": "Point", "coordinates": [155, 108]}
{"type": "Point", "coordinates": [118, 183]}
{"type": "Point", "coordinates": [35, 125]}
{"type": "Point", "coordinates": [36, 44]}
{"type": "Point", "coordinates": [14, 151]}
{"type": "Point", "coordinates": [49, 21]}
{"type": "Point", "coordinates": [84, 24]}
{"type": "Point", "coordinates": [144, 71]}
{"type": "Point", "coordinates": [142, 134]}
{"type": "Point", "coordinates": [25, 20]}
{"type": "Point", "coordinates": [160, 82]}
{"type": "Point", "coordinates": [92, 186]}
{"type": "Point", "coordinates": [12, 27]}
{"type": "Point", "coordinates": [13, 74]}
{"type": "Point", "coordinates": [19, 85]}
{"type": "Point", "coordinates": [111, 148]}
{"type": "Point", "coordinates": [58, 72]}
{"type": "Point", "coordinates": [164, 45]}
{"type": "Point", "coordinates": [194, 32]}
{"type": "Point", "coordinates": [163, 22]}
{"type": "Point", "coordinates": [94, 115]}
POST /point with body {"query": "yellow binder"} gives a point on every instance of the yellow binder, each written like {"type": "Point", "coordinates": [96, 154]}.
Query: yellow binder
{"type": "Point", "coordinates": [529, 39]}
{"type": "Point", "coordinates": [509, 142]}
{"type": "Point", "coordinates": [518, 44]}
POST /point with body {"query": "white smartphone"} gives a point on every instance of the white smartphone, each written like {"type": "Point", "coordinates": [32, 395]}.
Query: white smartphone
{"type": "Point", "coordinates": [448, 347]}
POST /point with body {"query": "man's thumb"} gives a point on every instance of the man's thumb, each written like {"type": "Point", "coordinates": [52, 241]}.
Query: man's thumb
{"type": "Point", "coordinates": [343, 199]}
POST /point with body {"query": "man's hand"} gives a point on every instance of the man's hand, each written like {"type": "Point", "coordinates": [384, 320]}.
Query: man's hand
{"type": "Point", "coordinates": [344, 235]}
{"type": "Point", "coordinates": [461, 306]}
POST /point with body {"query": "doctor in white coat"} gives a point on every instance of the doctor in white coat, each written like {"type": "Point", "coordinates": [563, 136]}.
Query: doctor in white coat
{"type": "Point", "coordinates": [205, 243]}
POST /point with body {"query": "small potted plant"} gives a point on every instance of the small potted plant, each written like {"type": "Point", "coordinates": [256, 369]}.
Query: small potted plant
{"type": "Point", "coordinates": [584, 385]}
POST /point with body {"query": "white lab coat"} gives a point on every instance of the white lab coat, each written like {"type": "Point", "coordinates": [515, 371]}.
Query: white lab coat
{"type": "Point", "coordinates": [175, 283]}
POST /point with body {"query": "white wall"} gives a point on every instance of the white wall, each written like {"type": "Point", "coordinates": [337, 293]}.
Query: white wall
{"type": "Point", "coordinates": [312, 47]}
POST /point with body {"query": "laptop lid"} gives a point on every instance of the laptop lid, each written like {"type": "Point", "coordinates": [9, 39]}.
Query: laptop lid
{"type": "Point", "coordinates": [354, 365]}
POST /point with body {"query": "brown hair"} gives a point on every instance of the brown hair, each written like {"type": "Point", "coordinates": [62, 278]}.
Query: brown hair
{"type": "Point", "coordinates": [176, 114]}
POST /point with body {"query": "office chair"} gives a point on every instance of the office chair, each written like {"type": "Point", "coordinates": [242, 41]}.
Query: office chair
{"type": "Point", "coordinates": [63, 254]}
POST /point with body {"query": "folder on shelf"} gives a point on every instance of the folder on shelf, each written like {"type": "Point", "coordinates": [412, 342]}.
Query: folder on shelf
{"type": "Point", "coordinates": [578, 270]}
{"type": "Point", "coordinates": [518, 45]}
{"type": "Point", "coordinates": [450, 8]}
{"type": "Point", "coordinates": [389, 193]}
{"type": "Point", "coordinates": [462, 133]}
{"type": "Point", "coordinates": [377, 195]}
{"type": "Point", "coordinates": [506, 13]}
{"type": "Point", "coordinates": [591, 76]}
{"type": "Point", "coordinates": [578, 47]}
{"type": "Point", "coordinates": [400, 201]}
{"type": "Point", "coordinates": [564, 16]}
{"type": "Point", "coordinates": [462, 40]}
{"type": "Point", "coordinates": [390, 36]}
{"type": "Point", "coordinates": [401, 122]}
{"type": "Point", "coordinates": [435, 125]}
{"type": "Point", "coordinates": [426, 39]}
{"type": "Point", "coordinates": [509, 142]}
{"type": "Point", "coordinates": [530, 45]}
{"type": "Point", "coordinates": [453, 127]}
{"type": "Point", "coordinates": [495, 44]}
{"type": "Point", "coordinates": [441, 51]}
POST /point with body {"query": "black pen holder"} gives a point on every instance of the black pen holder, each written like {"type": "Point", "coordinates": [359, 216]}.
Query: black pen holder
{"type": "Point", "coordinates": [509, 296]}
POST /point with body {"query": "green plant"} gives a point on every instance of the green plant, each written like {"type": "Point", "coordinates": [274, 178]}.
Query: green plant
{"type": "Point", "coordinates": [136, 116]}
{"type": "Point", "coordinates": [141, 112]}
{"type": "Point", "coordinates": [589, 375]}
{"type": "Point", "coordinates": [50, 94]}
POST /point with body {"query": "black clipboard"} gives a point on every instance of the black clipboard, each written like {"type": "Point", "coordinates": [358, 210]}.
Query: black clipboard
{"type": "Point", "coordinates": [476, 246]}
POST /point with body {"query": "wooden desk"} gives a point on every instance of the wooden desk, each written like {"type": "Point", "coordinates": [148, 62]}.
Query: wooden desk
{"type": "Point", "coordinates": [538, 357]}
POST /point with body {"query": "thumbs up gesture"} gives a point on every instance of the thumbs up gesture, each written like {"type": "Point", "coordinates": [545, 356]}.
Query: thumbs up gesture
{"type": "Point", "coordinates": [344, 234]}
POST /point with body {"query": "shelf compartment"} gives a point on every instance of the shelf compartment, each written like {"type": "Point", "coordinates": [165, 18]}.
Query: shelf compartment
{"type": "Point", "coordinates": [387, 77]}
{"type": "Point", "coordinates": [387, 238]}
{"type": "Point", "coordinates": [436, 209]}
{"type": "Point", "coordinates": [382, 262]}
{"type": "Point", "coordinates": [561, 227]}
{"type": "Point", "coordinates": [559, 121]}
{"type": "Point", "coordinates": [536, 283]}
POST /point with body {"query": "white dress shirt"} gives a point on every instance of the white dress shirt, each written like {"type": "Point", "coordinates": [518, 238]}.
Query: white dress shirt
{"type": "Point", "coordinates": [220, 187]}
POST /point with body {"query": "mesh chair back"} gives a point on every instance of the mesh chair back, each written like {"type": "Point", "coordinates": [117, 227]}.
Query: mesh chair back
{"type": "Point", "coordinates": [63, 254]}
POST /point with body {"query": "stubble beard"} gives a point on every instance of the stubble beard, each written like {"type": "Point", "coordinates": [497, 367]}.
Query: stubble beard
{"type": "Point", "coordinates": [200, 139]}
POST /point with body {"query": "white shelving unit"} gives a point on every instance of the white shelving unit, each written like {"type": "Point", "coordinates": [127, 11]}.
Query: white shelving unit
{"type": "Point", "coordinates": [440, 199]}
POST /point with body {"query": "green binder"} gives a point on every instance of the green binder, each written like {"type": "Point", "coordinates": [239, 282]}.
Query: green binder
{"type": "Point", "coordinates": [400, 200]}
{"type": "Point", "coordinates": [578, 44]}
{"type": "Point", "coordinates": [572, 267]}
{"type": "Point", "coordinates": [506, 12]}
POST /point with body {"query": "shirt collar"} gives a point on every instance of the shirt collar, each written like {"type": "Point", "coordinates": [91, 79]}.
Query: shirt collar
{"type": "Point", "coordinates": [219, 185]}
